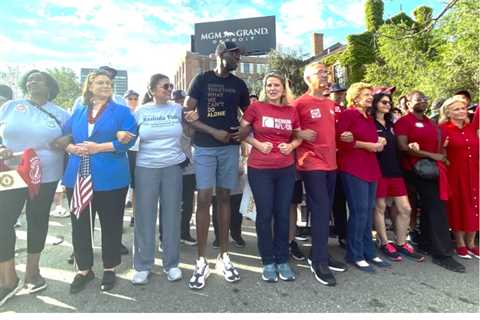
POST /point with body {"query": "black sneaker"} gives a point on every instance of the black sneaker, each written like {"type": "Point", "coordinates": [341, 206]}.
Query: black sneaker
{"type": "Point", "coordinates": [71, 258]}
{"type": "Point", "coordinates": [80, 282]}
{"type": "Point", "coordinates": [7, 293]}
{"type": "Point", "coordinates": [108, 280]}
{"type": "Point", "coordinates": [295, 252]}
{"type": "Point", "coordinates": [336, 265]}
{"type": "Point", "coordinates": [123, 250]}
{"type": "Point", "coordinates": [303, 233]}
{"type": "Point", "coordinates": [132, 221]}
{"type": "Point", "coordinates": [215, 244]}
{"type": "Point", "coordinates": [238, 242]}
{"type": "Point", "coordinates": [450, 264]}
{"type": "Point", "coordinates": [188, 240]}
{"type": "Point", "coordinates": [323, 274]}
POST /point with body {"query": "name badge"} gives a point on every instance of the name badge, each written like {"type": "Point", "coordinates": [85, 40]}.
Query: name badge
{"type": "Point", "coordinates": [419, 125]}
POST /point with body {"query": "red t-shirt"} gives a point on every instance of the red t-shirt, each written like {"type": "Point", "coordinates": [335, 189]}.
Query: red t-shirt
{"type": "Point", "coordinates": [318, 115]}
{"type": "Point", "coordinates": [358, 162]}
{"type": "Point", "coordinates": [273, 124]}
{"type": "Point", "coordinates": [424, 132]}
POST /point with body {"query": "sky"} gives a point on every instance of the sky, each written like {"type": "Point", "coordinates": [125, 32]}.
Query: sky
{"type": "Point", "coordinates": [147, 37]}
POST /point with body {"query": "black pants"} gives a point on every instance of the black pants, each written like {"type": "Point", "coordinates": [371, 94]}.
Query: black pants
{"type": "Point", "coordinates": [109, 206]}
{"type": "Point", "coordinates": [38, 213]}
{"type": "Point", "coordinates": [236, 217]}
{"type": "Point", "coordinates": [188, 191]}
{"type": "Point", "coordinates": [434, 228]}
{"type": "Point", "coordinates": [340, 210]}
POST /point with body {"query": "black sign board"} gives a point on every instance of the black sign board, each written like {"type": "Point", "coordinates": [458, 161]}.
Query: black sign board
{"type": "Point", "coordinates": [255, 35]}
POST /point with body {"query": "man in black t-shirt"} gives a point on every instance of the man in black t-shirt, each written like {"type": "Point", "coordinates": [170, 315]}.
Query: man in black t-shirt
{"type": "Point", "coordinates": [216, 96]}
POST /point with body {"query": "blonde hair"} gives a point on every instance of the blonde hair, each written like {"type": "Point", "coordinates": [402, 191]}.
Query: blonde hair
{"type": "Point", "coordinates": [310, 70]}
{"type": "Point", "coordinates": [444, 109]}
{"type": "Point", "coordinates": [354, 90]}
{"type": "Point", "coordinates": [287, 96]}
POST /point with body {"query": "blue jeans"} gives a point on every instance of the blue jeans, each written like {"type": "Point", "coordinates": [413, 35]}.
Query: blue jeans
{"type": "Point", "coordinates": [320, 190]}
{"type": "Point", "coordinates": [272, 191]}
{"type": "Point", "coordinates": [360, 196]}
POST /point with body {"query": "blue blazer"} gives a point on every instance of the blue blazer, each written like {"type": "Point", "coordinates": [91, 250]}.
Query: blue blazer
{"type": "Point", "coordinates": [109, 169]}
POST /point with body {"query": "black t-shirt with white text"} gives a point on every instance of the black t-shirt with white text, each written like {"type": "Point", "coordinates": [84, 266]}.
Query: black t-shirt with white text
{"type": "Point", "coordinates": [218, 100]}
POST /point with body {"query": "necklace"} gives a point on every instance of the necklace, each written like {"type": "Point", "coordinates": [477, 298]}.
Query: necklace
{"type": "Point", "coordinates": [92, 119]}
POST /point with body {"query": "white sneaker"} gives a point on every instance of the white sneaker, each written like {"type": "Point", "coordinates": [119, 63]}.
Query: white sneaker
{"type": "Point", "coordinates": [173, 274]}
{"type": "Point", "coordinates": [200, 274]}
{"type": "Point", "coordinates": [140, 277]}
{"type": "Point", "coordinates": [224, 266]}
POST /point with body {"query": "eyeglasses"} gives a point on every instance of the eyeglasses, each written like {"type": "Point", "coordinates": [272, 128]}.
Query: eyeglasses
{"type": "Point", "coordinates": [132, 98]}
{"type": "Point", "coordinates": [167, 86]}
{"type": "Point", "coordinates": [420, 100]}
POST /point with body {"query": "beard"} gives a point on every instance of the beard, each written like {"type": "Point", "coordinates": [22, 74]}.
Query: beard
{"type": "Point", "coordinates": [230, 65]}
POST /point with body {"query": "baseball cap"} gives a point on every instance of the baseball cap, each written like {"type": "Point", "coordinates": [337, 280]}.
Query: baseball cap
{"type": "Point", "coordinates": [130, 93]}
{"type": "Point", "coordinates": [178, 94]}
{"type": "Point", "coordinates": [337, 88]}
{"type": "Point", "coordinates": [465, 93]}
{"type": "Point", "coordinates": [226, 46]}
{"type": "Point", "coordinates": [384, 89]}
{"type": "Point", "coordinates": [112, 72]}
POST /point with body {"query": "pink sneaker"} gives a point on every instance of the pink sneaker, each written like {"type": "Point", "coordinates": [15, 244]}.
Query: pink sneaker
{"type": "Point", "coordinates": [474, 252]}
{"type": "Point", "coordinates": [462, 252]}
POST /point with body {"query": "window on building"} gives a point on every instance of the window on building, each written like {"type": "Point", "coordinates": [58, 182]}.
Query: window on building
{"type": "Point", "coordinates": [339, 74]}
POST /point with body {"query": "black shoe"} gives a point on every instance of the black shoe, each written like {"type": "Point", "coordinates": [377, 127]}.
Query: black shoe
{"type": "Point", "coordinates": [336, 265]}
{"type": "Point", "coordinates": [7, 293]}
{"type": "Point", "coordinates": [123, 250]}
{"type": "Point", "coordinates": [238, 242]}
{"type": "Point", "coordinates": [323, 274]}
{"type": "Point", "coordinates": [342, 243]}
{"type": "Point", "coordinates": [132, 221]}
{"type": "Point", "coordinates": [303, 233]}
{"type": "Point", "coordinates": [71, 258]}
{"type": "Point", "coordinates": [108, 280]}
{"type": "Point", "coordinates": [450, 264]}
{"type": "Point", "coordinates": [80, 282]}
{"type": "Point", "coordinates": [215, 244]}
{"type": "Point", "coordinates": [295, 252]}
{"type": "Point", "coordinates": [188, 240]}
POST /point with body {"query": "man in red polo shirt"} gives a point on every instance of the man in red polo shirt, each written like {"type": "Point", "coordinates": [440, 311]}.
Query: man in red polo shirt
{"type": "Point", "coordinates": [316, 162]}
{"type": "Point", "coordinates": [419, 138]}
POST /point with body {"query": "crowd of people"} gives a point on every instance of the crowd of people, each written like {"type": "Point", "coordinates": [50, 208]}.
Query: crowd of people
{"type": "Point", "coordinates": [339, 148]}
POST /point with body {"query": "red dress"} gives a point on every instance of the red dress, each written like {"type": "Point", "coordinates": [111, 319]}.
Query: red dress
{"type": "Point", "coordinates": [462, 153]}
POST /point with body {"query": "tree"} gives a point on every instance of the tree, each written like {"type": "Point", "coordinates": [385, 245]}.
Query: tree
{"type": "Point", "coordinates": [291, 65]}
{"type": "Point", "coordinates": [373, 14]}
{"type": "Point", "coordinates": [68, 84]}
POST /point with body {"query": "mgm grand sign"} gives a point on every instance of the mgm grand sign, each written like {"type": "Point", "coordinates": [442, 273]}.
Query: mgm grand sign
{"type": "Point", "coordinates": [256, 36]}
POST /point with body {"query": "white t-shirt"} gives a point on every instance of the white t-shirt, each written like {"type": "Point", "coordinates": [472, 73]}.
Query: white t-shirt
{"type": "Point", "coordinates": [160, 132]}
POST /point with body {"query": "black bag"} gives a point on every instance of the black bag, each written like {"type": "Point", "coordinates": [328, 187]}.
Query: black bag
{"type": "Point", "coordinates": [426, 169]}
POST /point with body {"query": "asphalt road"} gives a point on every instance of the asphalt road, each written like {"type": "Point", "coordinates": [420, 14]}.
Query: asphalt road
{"type": "Point", "coordinates": [406, 287]}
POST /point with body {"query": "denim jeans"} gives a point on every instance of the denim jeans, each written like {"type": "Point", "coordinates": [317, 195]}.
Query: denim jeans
{"type": "Point", "coordinates": [360, 196]}
{"type": "Point", "coordinates": [272, 191]}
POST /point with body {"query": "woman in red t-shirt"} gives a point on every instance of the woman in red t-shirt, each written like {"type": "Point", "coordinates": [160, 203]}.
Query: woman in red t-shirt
{"type": "Point", "coordinates": [271, 173]}
{"type": "Point", "coordinates": [357, 144]}
{"type": "Point", "coordinates": [461, 144]}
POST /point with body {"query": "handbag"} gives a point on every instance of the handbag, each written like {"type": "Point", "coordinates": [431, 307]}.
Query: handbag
{"type": "Point", "coordinates": [426, 169]}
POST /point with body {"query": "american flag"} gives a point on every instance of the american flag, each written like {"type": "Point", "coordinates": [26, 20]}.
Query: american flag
{"type": "Point", "coordinates": [83, 191]}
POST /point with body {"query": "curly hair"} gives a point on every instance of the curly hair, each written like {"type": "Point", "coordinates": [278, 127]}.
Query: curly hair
{"type": "Point", "coordinates": [354, 90]}
{"type": "Point", "coordinates": [86, 93]}
{"type": "Point", "coordinates": [52, 84]}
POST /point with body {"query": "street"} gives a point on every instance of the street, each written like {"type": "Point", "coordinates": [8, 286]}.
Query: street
{"type": "Point", "coordinates": [406, 287]}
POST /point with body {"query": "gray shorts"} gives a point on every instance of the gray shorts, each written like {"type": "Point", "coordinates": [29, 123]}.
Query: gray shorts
{"type": "Point", "coordinates": [216, 167]}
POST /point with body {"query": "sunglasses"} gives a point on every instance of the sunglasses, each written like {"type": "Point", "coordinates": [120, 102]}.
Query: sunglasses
{"type": "Point", "coordinates": [132, 98]}
{"type": "Point", "coordinates": [167, 86]}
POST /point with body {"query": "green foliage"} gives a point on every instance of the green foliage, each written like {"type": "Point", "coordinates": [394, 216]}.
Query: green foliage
{"type": "Point", "coordinates": [401, 18]}
{"type": "Point", "coordinates": [68, 84]}
{"type": "Point", "coordinates": [423, 16]}
{"type": "Point", "coordinates": [360, 51]}
{"type": "Point", "coordinates": [437, 61]}
{"type": "Point", "coordinates": [373, 14]}
{"type": "Point", "coordinates": [291, 65]}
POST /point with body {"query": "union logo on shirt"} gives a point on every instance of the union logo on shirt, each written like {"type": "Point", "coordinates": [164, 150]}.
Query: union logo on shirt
{"type": "Point", "coordinates": [274, 123]}
{"type": "Point", "coordinates": [268, 122]}
{"type": "Point", "coordinates": [315, 113]}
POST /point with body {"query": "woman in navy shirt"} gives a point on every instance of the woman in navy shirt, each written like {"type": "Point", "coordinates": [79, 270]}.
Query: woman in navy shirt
{"type": "Point", "coordinates": [103, 131]}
